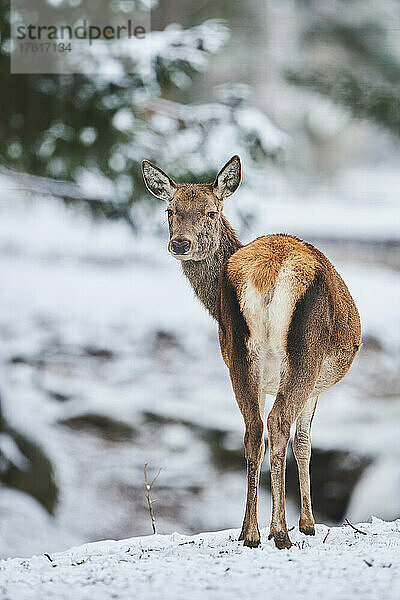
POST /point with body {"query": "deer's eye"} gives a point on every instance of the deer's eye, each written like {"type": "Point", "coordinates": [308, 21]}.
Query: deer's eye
{"type": "Point", "coordinates": [211, 214]}
{"type": "Point", "coordinates": [169, 212]}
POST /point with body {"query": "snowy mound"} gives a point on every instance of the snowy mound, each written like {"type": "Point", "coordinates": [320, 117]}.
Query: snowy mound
{"type": "Point", "coordinates": [337, 563]}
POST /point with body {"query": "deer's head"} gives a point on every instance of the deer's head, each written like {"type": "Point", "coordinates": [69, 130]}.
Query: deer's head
{"type": "Point", "coordinates": [194, 210]}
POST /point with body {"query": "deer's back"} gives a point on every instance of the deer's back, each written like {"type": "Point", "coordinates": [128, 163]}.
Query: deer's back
{"type": "Point", "coordinates": [292, 300]}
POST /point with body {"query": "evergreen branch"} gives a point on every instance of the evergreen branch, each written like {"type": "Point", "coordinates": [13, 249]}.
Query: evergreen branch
{"type": "Point", "coordinates": [363, 97]}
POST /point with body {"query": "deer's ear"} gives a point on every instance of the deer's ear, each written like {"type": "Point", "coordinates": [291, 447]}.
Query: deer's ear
{"type": "Point", "coordinates": [157, 182]}
{"type": "Point", "coordinates": [228, 179]}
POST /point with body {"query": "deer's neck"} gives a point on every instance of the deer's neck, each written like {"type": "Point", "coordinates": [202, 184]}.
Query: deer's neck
{"type": "Point", "coordinates": [204, 274]}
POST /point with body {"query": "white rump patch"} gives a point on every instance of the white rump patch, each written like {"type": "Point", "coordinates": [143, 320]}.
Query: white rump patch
{"type": "Point", "coordinates": [268, 316]}
{"type": "Point", "coordinates": [280, 311]}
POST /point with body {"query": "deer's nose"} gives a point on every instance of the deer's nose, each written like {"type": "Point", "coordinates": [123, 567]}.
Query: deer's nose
{"type": "Point", "coordinates": [180, 246]}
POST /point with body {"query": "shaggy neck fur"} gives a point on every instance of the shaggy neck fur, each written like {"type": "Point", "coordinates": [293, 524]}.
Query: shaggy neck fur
{"type": "Point", "coordinates": [204, 274]}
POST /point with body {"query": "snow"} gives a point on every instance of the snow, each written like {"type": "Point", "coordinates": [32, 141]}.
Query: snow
{"type": "Point", "coordinates": [322, 217]}
{"type": "Point", "coordinates": [336, 563]}
{"type": "Point", "coordinates": [254, 122]}
{"type": "Point", "coordinates": [27, 528]}
{"type": "Point", "coordinates": [170, 45]}
{"type": "Point", "coordinates": [10, 450]}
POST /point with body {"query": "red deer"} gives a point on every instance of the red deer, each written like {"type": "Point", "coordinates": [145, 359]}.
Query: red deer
{"type": "Point", "coordinates": [288, 326]}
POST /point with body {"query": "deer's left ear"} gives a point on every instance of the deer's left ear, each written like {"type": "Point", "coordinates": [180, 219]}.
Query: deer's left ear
{"type": "Point", "coordinates": [228, 179]}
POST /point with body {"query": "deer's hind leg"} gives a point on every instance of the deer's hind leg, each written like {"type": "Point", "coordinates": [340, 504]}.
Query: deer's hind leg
{"type": "Point", "coordinates": [291, 399]}
{"type": "Point", "coordinates": [307, 345]}
{"type": "Point", "coordinates": [302, 454]}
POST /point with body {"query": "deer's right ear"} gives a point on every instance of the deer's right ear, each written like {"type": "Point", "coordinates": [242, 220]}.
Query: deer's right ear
{"type": "Point", "coordinates": [157, 182]}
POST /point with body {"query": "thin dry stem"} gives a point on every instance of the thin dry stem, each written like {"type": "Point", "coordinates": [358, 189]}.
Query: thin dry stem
{"type": "Point", "coordinates": [326, 537]}
{"type": "Point", "coordinates": [347, 522]}
{"type": "Point", "coordinates": [148, 487]}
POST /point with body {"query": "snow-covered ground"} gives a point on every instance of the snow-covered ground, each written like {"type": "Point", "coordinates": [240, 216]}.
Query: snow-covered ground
{"type": "Point", "coordinates": [104, 356]}
{"type": "Point", "coordinates": [336, 563]}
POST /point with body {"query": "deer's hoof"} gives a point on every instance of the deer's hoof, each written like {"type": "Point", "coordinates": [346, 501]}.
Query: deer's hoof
{"type": "Point", "coordinates": [252, 543]}
{"type": "Point", "coordinates": [307, 529]}
{"type": "Point", "coordinates": [281, 540]}
{"type": "Point", "coordinates": [250, 536]}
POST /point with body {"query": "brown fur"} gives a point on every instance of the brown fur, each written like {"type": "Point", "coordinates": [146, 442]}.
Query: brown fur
{"type": "Point", "coordinates": [208, 270]}
{"type": "Point", "coordinates": [287, 326]}
{"type": "Point", "coordinates": [272, 251]}
{"type": "Point", "coordinates": [260, 262]}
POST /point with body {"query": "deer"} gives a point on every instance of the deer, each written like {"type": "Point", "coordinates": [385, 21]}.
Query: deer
{"type": "Point", "coordinates": [287, 326]}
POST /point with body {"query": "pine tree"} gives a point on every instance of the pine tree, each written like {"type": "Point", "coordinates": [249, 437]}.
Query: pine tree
{"type": "Point", "coordinates": [352, 57]}
{"type": "Point", "coordinates": [96, 130]}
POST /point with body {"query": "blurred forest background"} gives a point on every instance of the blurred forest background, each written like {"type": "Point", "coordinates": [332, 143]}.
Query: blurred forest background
{"type": "Point", "coordinates": [107, 361]}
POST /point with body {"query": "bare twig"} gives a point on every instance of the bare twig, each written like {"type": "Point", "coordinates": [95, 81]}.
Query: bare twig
{"type": "Point", "coordinates": [347, 522]}
{"type": "Point", "coordinates": [368, 563]}
{"type": "Point", "coordinates": [47, 555]}
{"type": "Point", "coordinates": [148, 487]}
{"type": "Point", "coordinates": [325, 538]}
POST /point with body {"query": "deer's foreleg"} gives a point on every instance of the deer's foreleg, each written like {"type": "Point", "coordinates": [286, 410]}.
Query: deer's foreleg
{"type": "Point", "coordinates": [254, 448]}
{"type": "Point", "coordinates": [246, 387]}
{"type": "Point", "coordinates": [244, 371]}
{"type": "Point", "coordinates": [302, 454]}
